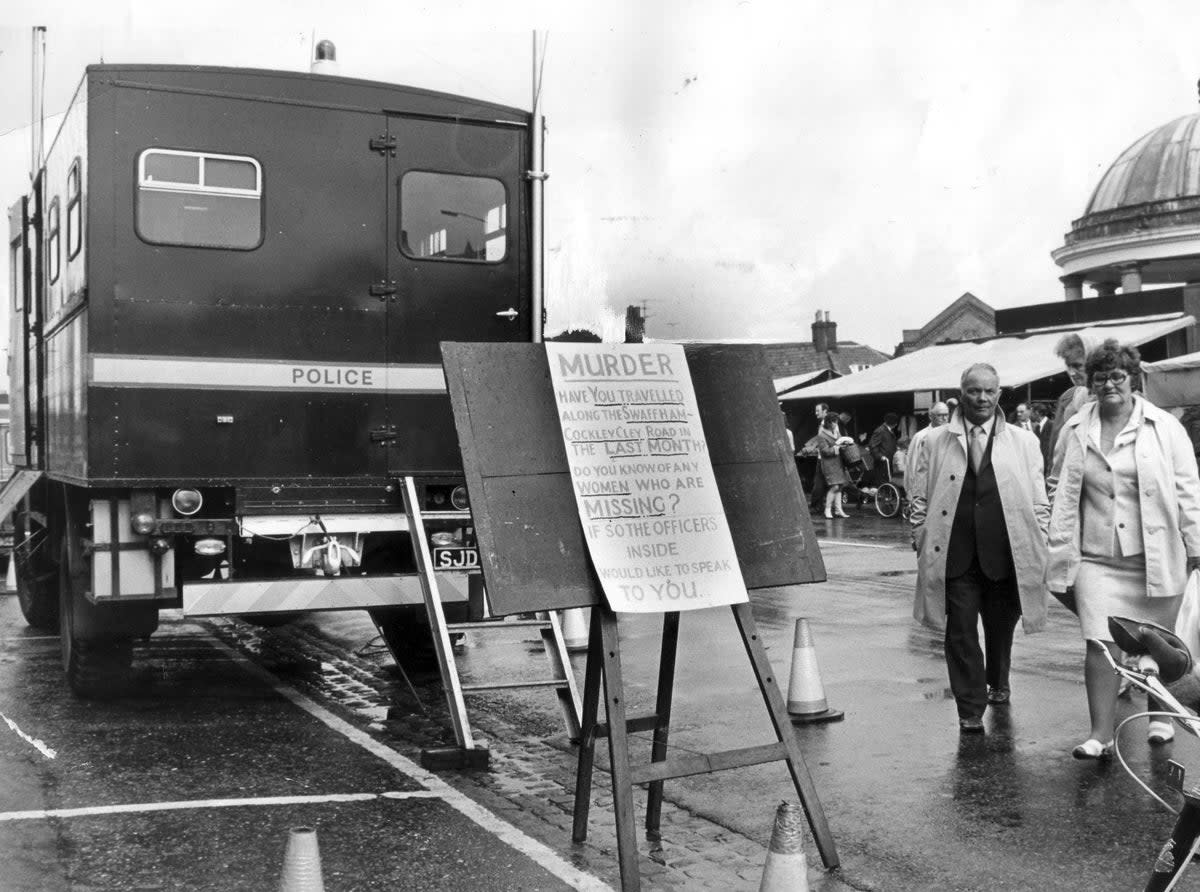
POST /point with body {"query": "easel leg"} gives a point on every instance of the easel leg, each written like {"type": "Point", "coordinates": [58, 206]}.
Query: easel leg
{"type": "Point", "coordinates": [587, 730]}
{"type": "Point", "coordinates": [662, 715]}
{"type": "Point", "coordinates": [618, 751]}
{"type": "Point", "coordinates": [783, 728]}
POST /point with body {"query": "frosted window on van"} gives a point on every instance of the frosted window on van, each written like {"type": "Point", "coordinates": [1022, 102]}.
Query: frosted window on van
{"type": "Point", "coordinates": [199, 199]}
{"type": "Point", "coordinates": [172, 168]}
{"type": "Point", "coordinates": [452, 217]}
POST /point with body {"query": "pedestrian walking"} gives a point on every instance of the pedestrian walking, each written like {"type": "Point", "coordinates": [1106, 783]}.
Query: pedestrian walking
{"type": "Point", "coordinates": [832, 469]}
{"type": "Point", "coordinates": [1042, 425]}
{"type": "Point", "coordinates": [1125, 524]}
{"type": "Point", "coordinates": [1072, 349]}
{"type": "Point", "coordinates": [979, 515]}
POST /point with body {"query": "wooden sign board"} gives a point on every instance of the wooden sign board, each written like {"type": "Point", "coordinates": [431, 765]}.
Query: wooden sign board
{"type": "Point", "coordinates": [531, 544]}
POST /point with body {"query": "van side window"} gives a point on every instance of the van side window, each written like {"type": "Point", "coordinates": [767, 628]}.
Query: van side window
{"type": "Point", "coordinates": [53, 242]}
{"type": "Point", "coordinates": [199, 199]}
{"type": "Point", "coordinates": [451, 217]}
{"type": "Point", "coordinates": [74, 211]}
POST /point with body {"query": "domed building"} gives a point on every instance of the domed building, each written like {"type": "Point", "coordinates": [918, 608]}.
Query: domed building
{"type": "Point", "coordinates": [1137, 246]}
{"type": "Point", "coordinates": [1142, 224]}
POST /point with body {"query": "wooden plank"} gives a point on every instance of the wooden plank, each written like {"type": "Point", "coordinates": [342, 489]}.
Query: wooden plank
{"type": "Point", "coordinates": [587, 730]}
{"type": "Point", "coordinates": [685, 766]}
{"type": "Point", "coordinates": [618, 752]}
{"type": "Point", "coordinates": [801, 779]}
{"type": "Point", "coordinates": [634, 725]}
{"type": "Point", "coordinates": [662, 711]}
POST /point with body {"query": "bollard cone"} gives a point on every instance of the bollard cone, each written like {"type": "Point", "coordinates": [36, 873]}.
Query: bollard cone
{"type": "Point", "coordinates": [302, 862]}
{"type": "Point", "coordinates": [786, 868]}
{"type": "Point", "coordinates": [806, 696]}
{"type": "Point", "coordinates": [575, 629]}
{"type": "Point", "coordinates": [10, 579]}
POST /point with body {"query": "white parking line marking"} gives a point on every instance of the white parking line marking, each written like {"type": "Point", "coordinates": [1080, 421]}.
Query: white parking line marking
{"type": "Point", "coordinates": [136, 807]}
{"type": "Point", "coordinates": [537, 852]}
{"type": "Point", "coordinates": [855, 544]}
{"type": "Point", "coordinates": [32, 741]}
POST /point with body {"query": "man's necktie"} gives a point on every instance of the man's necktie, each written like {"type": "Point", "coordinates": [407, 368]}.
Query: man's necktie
{"type": "Point", "coordinates": [977, 446]}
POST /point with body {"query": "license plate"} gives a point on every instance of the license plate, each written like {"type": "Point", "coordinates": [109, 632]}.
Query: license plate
{"type": "Point", "coordinates": [456, 559]}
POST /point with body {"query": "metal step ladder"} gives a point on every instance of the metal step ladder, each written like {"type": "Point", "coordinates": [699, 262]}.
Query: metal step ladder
{"type": "Point", "coordinates": [469, 752]}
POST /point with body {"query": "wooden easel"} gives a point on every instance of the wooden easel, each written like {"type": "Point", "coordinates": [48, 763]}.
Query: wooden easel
{"type": "Point", "coordinates": [604, 668]}
{"type": "Point", "coordinates": [534, 556]}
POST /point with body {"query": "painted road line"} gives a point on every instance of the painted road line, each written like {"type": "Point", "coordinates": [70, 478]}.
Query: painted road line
{"type": "Point", "coordinates": [862, 544]}
{"type": "Point", "coordinates": [138, 807]}
{"type": "Point", "coordinates": [539, 853]}
{"type": "Point", "coordinates": [32, 741]}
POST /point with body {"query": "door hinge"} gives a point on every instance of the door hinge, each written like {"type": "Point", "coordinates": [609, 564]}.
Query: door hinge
{"type": "Point", "coordinates": [385, 435]}
{"type": "Point", "coordinates": [382, 144]}
{"type": "Point", "coordinates": [382, 289]}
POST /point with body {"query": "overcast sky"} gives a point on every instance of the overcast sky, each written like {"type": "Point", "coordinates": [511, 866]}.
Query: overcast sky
{"type": "Point", "coordinates": [737, 165]}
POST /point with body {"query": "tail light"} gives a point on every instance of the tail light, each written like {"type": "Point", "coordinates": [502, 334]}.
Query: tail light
{"type": "Point", "coordinates": [186, 501]}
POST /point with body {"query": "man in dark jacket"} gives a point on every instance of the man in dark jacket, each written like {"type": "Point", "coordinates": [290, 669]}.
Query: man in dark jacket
{"type": "Point", "coordinates": [882, 445]}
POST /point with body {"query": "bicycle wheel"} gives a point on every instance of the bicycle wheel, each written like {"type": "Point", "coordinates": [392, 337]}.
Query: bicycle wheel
{"type": "Point", "coordinates": [887, 500]}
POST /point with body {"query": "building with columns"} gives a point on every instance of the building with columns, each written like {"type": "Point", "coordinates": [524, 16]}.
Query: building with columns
{"type": "Point", "coordinates": [1139, 236]}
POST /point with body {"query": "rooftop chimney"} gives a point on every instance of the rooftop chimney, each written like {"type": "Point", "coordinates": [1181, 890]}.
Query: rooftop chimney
{"type": "Point", "coordinates": [824, 333]}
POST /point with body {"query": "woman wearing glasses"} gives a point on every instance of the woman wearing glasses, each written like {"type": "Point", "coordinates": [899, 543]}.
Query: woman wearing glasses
{"type": "Point", "coordinates": [1124, 524]}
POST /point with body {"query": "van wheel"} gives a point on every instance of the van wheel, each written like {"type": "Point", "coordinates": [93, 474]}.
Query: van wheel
{"type": "Point", "coordinates": [94, 669]}
{"type": "Point", "coordinates": [37, 590]}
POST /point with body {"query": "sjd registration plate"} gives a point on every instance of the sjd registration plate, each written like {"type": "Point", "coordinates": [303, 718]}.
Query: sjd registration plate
{"type": "Point", "coordinates": [455, 559]}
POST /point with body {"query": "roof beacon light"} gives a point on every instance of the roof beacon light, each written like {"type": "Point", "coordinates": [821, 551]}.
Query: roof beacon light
{"type": "Point", "coordinates": [325, 59]}
{"type": "Point", "coordinates": [186, 501]}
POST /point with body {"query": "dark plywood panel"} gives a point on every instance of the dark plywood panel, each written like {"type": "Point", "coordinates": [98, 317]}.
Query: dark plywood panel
{"type": "Point", "coordinates": [531, 544]}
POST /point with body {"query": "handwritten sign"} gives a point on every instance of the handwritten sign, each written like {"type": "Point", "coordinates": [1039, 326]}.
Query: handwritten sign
{"type": "Point", "coordinates": [644, 485]}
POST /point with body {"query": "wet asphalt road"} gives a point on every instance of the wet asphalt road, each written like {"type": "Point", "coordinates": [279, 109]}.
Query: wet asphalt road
{"type": "Point", "coordinates": [912, 806]}
{"type": "Point", "coordinates": [179, 785]}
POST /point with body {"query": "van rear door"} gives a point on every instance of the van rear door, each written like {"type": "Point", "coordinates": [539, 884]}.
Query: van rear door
{"type": "Point", "coordinates": [458, 260]}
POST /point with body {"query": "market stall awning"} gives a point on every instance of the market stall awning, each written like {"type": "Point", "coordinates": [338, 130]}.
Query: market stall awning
{"type": "Point", "coordinates": [792, 382]}
{"type": "Point", "coordinates": [1173, 382]}
{"type": "Point", "coordinates": [1018, 359]}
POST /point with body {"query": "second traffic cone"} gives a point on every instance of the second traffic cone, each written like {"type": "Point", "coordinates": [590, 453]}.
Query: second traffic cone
{"type": "Point", "coordinates": [786, 868]}
{"type": "Point", "coordinates": [302, 862]}
{"type": "Point", "coordinates": [806, 701]}
{"type": "Point", "coordinates": [575, 629]}
{"type": "Point", "coordinates": [10, 579]}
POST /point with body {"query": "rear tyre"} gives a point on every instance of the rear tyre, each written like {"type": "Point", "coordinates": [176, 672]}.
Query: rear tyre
{"type": "Point", "coordinates": [95, 669]}
{"type": "Point", "coordinates": [887, 500]}
{"type": "Point", "coordinates": [37, 575]}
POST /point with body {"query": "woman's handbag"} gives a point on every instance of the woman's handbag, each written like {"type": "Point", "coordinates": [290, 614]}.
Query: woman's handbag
{"type": "Point", "coordinates": [1187, 623]}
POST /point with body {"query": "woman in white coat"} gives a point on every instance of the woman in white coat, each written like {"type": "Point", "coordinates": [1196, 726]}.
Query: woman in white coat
{"type": "Point", "coordinates": [1124, 524]}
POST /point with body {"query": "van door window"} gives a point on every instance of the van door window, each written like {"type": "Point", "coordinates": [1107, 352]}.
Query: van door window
{"type": "Point", "coordinates": [450, 217]}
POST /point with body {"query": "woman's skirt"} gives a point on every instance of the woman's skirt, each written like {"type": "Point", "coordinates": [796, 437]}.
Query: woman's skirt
{"type": "Point", "coordinates": [834, 470]}
{"type": "Point", "coordinates": [1107, 587]}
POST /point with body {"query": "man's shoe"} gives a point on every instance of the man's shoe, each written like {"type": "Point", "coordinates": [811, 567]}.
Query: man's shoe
{"type": "Point", "coordinates": [971, 725]}
{"type": "Point", "coordinates": [998, 696]}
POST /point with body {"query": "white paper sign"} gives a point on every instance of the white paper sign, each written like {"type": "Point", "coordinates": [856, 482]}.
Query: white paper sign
{"type": "Point", "coordinates": [644, 484]}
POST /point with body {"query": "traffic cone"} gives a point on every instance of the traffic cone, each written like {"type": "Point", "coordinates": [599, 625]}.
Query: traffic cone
{"type": "Point", "coordinates": [302, 862]}
{"type": "Point", "coordinates": [10, 579]}
{"type": "Point", "coordinates": [575, 629]}
{"type": "Point", "coordinates": [786, 868]}
{"type": "Point", "coordinates": [806, 695]}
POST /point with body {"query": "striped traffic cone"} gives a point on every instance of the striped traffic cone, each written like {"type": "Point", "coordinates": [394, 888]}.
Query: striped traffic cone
{"type": "Point", "coordinates": [302, 862]}
{"type": "Point", "coordinates": [575, 629]}
{"type": "Point", "coordinates": [806, 695]}
{"type": "Point", "coordinates": [786, 868]}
